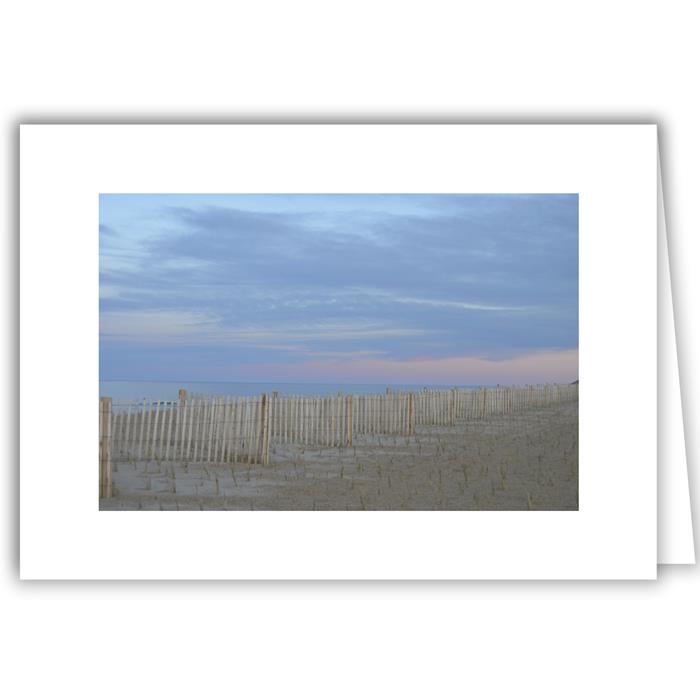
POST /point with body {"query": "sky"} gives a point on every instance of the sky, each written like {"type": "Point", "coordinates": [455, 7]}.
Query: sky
{"type": "Point", "coordinates": [396, 288]}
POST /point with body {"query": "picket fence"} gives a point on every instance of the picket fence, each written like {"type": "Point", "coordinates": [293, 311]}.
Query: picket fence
{"type": "Point", "coordinates": [229, 429]}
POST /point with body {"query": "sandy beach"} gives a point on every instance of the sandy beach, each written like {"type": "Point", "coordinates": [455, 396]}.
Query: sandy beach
{"type": "Point", "coordinates": [523, 461]}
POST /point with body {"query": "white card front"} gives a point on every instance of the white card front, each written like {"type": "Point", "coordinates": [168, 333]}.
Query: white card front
{"type": "Point", "coordinates": [609, 531]}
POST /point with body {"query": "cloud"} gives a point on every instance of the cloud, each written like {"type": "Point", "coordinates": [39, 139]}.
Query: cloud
{"type": "Point", "coordinates": [534, 367]}
{"type": "Point", "coordinates": [397, 276]}
{"type": "Point", "coordinates": [158, 327]}
{"type": "Point", "coordinates": [470, 306]}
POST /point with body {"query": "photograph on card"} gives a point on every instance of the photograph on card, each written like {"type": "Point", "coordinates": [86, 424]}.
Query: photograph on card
{"type": "Point", "coordinates": [339, 352]}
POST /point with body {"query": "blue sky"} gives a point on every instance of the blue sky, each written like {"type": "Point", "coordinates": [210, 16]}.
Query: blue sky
{"type": "Point", "coordinates": [431, 288]}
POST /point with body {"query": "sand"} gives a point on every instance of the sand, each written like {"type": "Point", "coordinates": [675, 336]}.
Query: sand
{"type": "Point", "coordinates": [524, 461]}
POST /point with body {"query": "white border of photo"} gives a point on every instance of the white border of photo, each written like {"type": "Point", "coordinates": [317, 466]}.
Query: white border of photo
{"type": "Point", "coordinates": [64, 168]}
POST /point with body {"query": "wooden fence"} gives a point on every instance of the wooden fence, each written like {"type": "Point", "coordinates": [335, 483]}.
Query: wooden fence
{"type": "Point", "coordinates": [448, 407]}
{"type": "Point", "coordinates": [228, 429]}
{"type": "Point", "coordinates": [192, 429]}
{"type": "Point", "coordinates": [332, 421]}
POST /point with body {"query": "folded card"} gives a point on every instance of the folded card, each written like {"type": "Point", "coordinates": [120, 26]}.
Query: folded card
{"type": "Point", "coordinates": [367, 351]}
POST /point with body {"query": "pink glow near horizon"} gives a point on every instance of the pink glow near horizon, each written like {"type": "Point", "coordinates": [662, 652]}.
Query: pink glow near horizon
{"type": "Point", "coordinates": [555, 366]}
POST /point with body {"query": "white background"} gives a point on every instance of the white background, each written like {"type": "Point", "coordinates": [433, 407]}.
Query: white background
{"type": "Point", "coordinates": [498, 61]}
{"type": "Point", "coordinates": [613, 170]}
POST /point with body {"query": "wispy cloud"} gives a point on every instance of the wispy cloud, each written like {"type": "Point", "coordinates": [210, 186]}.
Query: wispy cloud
{"type": "Point", "coordinates": [157, 327]}
{"type": "Point", "coordinates": [466, 305]}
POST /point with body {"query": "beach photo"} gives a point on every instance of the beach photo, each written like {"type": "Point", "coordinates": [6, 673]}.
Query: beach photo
{"type": "Point", "coordinates": [339, 352]}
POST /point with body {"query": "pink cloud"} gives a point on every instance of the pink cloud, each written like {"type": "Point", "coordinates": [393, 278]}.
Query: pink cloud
{"type": "Point", "coordinates": [543, 366]}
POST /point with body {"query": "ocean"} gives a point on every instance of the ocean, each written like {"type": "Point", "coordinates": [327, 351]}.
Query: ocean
{"type": "Point", "coordinates": [167, 391]}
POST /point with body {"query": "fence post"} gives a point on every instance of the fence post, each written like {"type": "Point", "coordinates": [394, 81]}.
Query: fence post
{"type": "Point", "coordinates": [180, 424]}
{"type": "Point", "coordinates": [411, 420]}
{"type": "Point", "coordinates": [348, 402]}
{"type": "Point", "coordinates": [105, 447]}
{"type": "Point", "coordinates": [264, 430]}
